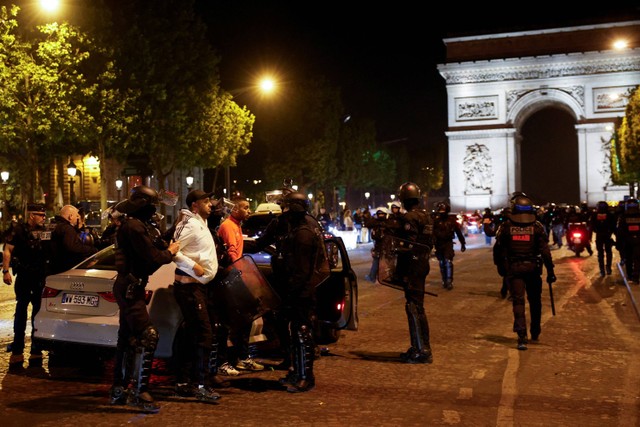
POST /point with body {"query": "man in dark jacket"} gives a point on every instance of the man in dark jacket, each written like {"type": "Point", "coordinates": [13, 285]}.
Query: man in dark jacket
{"type": "Point", "coordinates": [521, 248]}
{"type": "Point", "coordinates": [27, 252]}
{"type": "Point", "coordinates": [67, 247]}
{"type": "Point", "coordinates": [140, 252]}
{"type": "Point", "coordinates": [445, 229]}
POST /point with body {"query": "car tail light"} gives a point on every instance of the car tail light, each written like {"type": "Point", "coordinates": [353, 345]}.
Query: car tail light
{"type": "Point", "coordinates": [577, 234]}
{"type": "Point", "coordinates": [109, 296]}
{"type": "Point", "coordinates": [48, 292]}
{"type": "Point", "coordinates": [147, 296]}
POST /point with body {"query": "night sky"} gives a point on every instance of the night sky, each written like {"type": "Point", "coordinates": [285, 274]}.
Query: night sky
{"type": "Point", "coordinates": [384, 58]}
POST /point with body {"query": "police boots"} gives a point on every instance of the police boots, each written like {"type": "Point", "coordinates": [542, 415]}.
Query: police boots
{"type": "Point", "coordinates": [303, 356]}
{"type": "Point", "coordinates": [139, 397]}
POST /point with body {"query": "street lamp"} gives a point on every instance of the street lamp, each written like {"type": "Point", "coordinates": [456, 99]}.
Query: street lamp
{"type": "Point", "coordinates": [367, 195]}
{"type": "Point", "coordinates": [119, 187]}
{"type": "Point", "coordinates": [5, 180]}
{"type": "Point", "coordinates": [189, 180]}
{"type": "Point", "coordinates": [71, 171]}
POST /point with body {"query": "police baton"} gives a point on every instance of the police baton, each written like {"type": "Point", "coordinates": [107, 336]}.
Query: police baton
{"type": "Point", "coordinates": [553, 306]}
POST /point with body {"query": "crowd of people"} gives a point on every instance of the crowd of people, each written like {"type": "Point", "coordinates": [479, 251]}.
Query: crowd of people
{"type": "Point", "coordinates": [203, 242]}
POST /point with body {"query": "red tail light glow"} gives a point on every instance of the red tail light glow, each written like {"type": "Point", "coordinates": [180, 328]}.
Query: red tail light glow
{"type": "Point", "coordinates": [339, 306]}
{"type": "Point", "coordinates": [48, 292]}
{"type": "Point", "coordinates": [577, 234]}
{"type": "Point", "coordinates": [147, 296]}
{"type": "Point", "coordinates": [109, 296]}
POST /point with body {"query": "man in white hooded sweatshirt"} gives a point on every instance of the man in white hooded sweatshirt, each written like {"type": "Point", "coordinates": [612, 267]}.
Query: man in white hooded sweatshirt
{"type": "Point", "coordinates": [197, 265]}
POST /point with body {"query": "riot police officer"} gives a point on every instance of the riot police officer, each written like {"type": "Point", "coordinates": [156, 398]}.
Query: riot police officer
{"type": "Point", "coordinates": [603, 224]}
{"type": "Point", "coordinates": [628, 236]}
{"type": "Point", "coordinates": [377, 225]}
{"type": "Point", "coordinates": [299, 265]}
{"type": "Point", "coordinates": [27, 252]}
{"type": "Point", "coordinates": [412, 268]}
{"type": "Point", "coordinates": [520, 250]}
{"type": "Point", "coordinates": [445, 228]}
{"type": "Point", "coordinates": [140, 252]}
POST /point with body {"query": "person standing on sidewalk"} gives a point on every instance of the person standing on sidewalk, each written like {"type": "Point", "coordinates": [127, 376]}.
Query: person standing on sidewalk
{"type": "Point", "coordinates": [196, 266]}
{"type": "Point", "coordinates": [230, 231]}
{"type": "Point", "coordinates": [520, 250]}
{"type": "Point", "coordinates": [27, 252]}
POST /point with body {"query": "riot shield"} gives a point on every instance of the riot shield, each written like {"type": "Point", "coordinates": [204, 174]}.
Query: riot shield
{"type": "Point", "coordinates": [395, 261]}
{"type": "Point", "coordinates": [242, 293]}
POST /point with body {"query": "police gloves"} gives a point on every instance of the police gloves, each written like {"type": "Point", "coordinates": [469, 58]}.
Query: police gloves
{"type": "Point", "coordinates": [463, 248]}
{"type": "Point", "coordinates": [551, 277]}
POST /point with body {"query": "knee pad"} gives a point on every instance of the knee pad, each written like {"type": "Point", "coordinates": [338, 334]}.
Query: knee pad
{"type": "Point", "coordinates": [149, 338]}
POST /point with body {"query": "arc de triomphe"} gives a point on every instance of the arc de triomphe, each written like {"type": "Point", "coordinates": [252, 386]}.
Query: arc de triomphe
{"type": "Point", "coordinates": [496, 82]}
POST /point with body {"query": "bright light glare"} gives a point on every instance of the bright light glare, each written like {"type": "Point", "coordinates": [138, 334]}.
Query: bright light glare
{"type": "Point", "coordinates": [267, 85]}
{"type": "Point", "coordinates": [620, 44]}
{"type": "Point", "coordinates": [50, 5]}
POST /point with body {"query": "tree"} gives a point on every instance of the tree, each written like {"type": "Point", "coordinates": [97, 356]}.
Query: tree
{"type": "Point", "coordinates": [180, 116]}
{"type": "Point", "coordinates": [625, 145]}
{"type": "Point", "coordinates": [42, 98]}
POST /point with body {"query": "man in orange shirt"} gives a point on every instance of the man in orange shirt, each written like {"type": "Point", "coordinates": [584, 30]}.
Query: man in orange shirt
{"type": "Point", "coordinates": [231, 233]}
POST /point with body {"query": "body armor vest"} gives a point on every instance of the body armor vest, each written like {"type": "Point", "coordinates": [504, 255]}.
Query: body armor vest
{"type": "Point", "coordinates": [520, 241]}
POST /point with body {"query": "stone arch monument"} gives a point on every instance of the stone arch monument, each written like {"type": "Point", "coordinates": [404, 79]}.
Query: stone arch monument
{"type": "Point", "coordinates": [496, 82]}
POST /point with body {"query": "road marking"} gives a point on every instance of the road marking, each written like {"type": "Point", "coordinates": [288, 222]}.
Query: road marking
{"type": "Point", "coordinates": [509, 390]}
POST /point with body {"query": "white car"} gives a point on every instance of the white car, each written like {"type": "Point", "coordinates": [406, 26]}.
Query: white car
{"type": "Point", "coordinates": [79, 309]}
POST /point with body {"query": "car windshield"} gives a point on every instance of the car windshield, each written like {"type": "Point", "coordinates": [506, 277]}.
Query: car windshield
{"type": "Point", "coordinates": [103, 260]}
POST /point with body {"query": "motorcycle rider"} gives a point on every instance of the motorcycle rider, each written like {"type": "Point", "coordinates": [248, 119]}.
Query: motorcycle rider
{"type": "Point", "coordinates": [413, 267]}
{"type": "Point", "coordinates": [629, 237]}
{"type": "Point", "coordinates": [445, 229]}
{"type": "Point", "coordinates": [576, 220]}
{"type": "Point", "coordinates": [520, 250]}
{"type": "Point", "coordinates": [603, 224]}
{"type": "Point", "coordinates": [140, 252]}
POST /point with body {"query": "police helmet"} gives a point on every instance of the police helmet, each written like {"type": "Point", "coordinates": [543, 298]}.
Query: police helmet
{"type": "Point", "coordinates": [522, 210]}
{"type": "Point", "coordinates": [296, 202]}
{"type": "Point", "coordinates": [408, 190]}
{"type": "Point", "coordinates": [631, 206]}
{"type": "Point", "coordinates": [443, 208]}
{"type": "Point", "coordinates": [140, 197]}
{"type": "Point", "coordinates": [602, 207]}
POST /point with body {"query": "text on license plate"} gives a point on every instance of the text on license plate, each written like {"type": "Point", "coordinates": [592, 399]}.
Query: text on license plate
{"type": "Point", "coordinates": [75, 299]}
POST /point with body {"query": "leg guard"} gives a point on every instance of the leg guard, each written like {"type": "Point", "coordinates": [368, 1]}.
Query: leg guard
{"type": "Point", "coordinates": [139, 396]}
{"type": "Point", "coordinates": [304, 350]}
{"type": "Point", "coordinates": [601, 262]}
{"type": "Point", "coordinates": [448, 281]}
{"type": "Point", "coordinates": [443, 270]}
{"type": "Point", "coordinates": [420, 351]}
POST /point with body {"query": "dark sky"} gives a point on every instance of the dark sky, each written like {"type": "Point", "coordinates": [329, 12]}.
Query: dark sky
{"type": "Point", "coordinates": [384, 58]}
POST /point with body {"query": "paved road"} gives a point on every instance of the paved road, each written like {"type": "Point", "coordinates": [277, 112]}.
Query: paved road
{"type": "Point", "coordinates": [585, 370]}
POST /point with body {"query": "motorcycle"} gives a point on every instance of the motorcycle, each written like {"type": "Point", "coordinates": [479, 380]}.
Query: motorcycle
{"type": "Point", "coordinates": [578, 237]}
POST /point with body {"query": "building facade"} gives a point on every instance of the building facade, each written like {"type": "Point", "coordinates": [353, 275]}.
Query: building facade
{"type": "Point", "coordinates": [496, 82]}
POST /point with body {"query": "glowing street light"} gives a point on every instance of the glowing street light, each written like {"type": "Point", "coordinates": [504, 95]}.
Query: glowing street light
{"type": "Point", "coordinates": [71, 171]}
{"type": "Point", "coordinates": [119, 187]}
{"type": "Point", "coordinates": [50, 5]}
{"type": "Point", "coordinates": [5, 181]}
{"type": "Point", "coordinates": [189, 180]}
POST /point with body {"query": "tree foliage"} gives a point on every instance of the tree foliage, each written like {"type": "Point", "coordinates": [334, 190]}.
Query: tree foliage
{"type": "Point", "coordinates": [625, 144]}
{"type": "Point", "coordinates": [43, 95]}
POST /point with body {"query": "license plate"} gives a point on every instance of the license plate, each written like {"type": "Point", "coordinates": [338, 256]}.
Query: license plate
{"type": "Point", "coordinates": [577, 240]}
{"type": "Point", "coordinates": [75, 299]}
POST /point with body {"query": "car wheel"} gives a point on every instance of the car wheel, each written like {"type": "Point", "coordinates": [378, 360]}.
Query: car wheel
{"type": "Point", "coordinates": [326, 334]}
